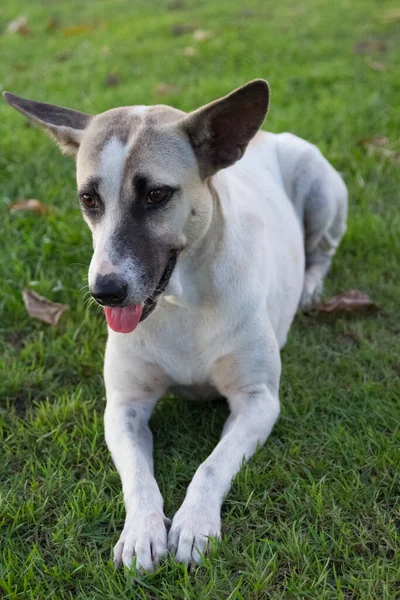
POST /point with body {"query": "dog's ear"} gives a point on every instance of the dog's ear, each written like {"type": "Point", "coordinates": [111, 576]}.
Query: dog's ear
{"type": "Point", "coordinates": [66, 126]}
{"type": "Point", "coordinates": [220, 131]}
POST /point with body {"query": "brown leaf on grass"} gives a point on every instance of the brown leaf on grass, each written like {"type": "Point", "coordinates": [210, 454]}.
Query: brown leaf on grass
{"type": "Point", "coordinates": [19, 25]}
{"type": "Point", "coordinates": [177, 5]}
{"type": "Point", "coordinates": [182, 28]}
{"type": "Point", "coordinates": [378, 145]}
{"type": "Point", "coordinates": [63, 56]}
{"type": "Point", "coordinates": [42, 308]}
{"type": "Point", "coordinates": [377, 66]}
{"type": "Point", "coordinates": [53, 23]}
{"type": "Point", "coordinates": [202, 35]}
{"type": "Point", "coordinates": [32, 206]}
{"type": "Point", "coordinates": [390, 16]}
{"type": "Point", "coordinates": [19, 67]}
{"type": "Point", "coordinates": [166, 89]}
{"type": "Point", "coordinates": [189, 51]}
{"type": "Point", "coordinates": [111, 80]}
{"type": "Point", "coordinates": [377, 140]}
{"type": "Point", "coordinates": [369, 46]}
{"type": "Point", "coordinates": [81, 28]}
{"type": "Point", "coordinates": [352, 301]}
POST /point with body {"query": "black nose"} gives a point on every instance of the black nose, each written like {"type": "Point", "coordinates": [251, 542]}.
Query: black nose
{"type": "Point", "coordinates": [109, 290]}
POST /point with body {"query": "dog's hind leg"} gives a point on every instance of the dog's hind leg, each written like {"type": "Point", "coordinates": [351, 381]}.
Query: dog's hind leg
{"type": "Point", "coordinates": [319, 197]}
{"type": "Point", "coordinates": [325, 215]}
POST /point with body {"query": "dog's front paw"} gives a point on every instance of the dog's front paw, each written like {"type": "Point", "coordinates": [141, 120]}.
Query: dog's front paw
{"type": "Point", "coordinates": [191, 530]}
{"type": "Point", "coordinates": [144, 537]}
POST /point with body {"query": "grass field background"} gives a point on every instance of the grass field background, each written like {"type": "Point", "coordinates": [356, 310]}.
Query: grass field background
{"type": "Point", "coordinates": [315, 514]}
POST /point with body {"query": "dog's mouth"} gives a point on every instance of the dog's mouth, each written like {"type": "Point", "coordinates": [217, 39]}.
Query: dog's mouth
{"type": "Point", "coordinates": [126, 319]}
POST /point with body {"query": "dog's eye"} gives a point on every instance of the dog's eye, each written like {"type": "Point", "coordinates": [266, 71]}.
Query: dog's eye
{"type": "Point", "coordinates": [88, 200]}
{"type": "Point", "coordinates": [159, 196]}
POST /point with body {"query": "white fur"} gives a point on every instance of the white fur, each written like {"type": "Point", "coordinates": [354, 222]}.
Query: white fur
{"type": "Point", "coordinates": [140, 110]}
{"type": "Point", "coordinates": [220, 326]}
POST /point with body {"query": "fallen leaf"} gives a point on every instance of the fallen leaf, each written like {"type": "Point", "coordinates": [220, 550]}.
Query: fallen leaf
{"type": "Point", "coordinates": [352, 301]}
{"type": "Point", "coordinates": [177, 5]}
{"type": "Point", "coordinates": [378, 145]}
{"type": "Point", "coordinates": [111, 80]}
{"type": "Point", "coordinates": [42, 308]}
{"type": "Point", "coordinates": [379, 140]}
{"type": "Point", "coordinates": [189, 51]}
{"type": "Point", "coordinates": [19, 67]}
{"type": "Point", "coordinates": [369, 46]}
{"type": "Point", "coordinates": [390, 15]}
{"type": "Point", "coordinates": [19, 25]}
{"type": "Point", "coordinates": [82, 28]}
{"type": "Point", "coordinates": [166, 89]}
{"type": "Point", "coordinates": [377, 66]}
{"type": "Point", "coordinates": [77, 29]}
{"type": "Point", "coordinates": [53, 24]}
{"type": "Point", "coordinates": [202, 35]}
{"type": "Point", "coordinates": [182, 29]}
{"type": "Point", "coordinates": [63, 56]}
{"type": "Point", "coordinates": [32, 206]}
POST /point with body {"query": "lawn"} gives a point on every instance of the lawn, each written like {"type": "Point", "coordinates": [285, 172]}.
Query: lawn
{"type": "Point", "coordinates": [315, 513]}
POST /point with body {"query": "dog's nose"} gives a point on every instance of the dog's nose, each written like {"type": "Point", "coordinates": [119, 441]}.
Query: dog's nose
{"type": "Point", "coordinates": [109, 291]}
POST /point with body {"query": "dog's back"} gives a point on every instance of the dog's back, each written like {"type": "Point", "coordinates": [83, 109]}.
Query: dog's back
{"type": "Point", "coordinates": [318, 195]}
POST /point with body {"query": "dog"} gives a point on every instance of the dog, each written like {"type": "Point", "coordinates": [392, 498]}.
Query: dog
{"type": "Point", "coordinates": [208, 236]}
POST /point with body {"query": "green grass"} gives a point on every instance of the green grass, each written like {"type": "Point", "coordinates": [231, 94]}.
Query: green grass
{"type": "Point", "coordinates": [315, 514]}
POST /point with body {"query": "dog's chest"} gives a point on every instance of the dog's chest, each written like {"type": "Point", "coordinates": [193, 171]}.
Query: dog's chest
{"type": "Point", "coordinates": [187, 347]}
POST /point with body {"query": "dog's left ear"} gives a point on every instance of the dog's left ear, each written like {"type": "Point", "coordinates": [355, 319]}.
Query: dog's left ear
{"type": "Point", "coordinates": [220, 131]}
{"type": "Point", "coordinates": [66, 126]}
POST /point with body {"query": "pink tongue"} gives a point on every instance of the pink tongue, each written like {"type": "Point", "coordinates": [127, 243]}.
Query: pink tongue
{"type": "Point", "coordinates": [123, 320]}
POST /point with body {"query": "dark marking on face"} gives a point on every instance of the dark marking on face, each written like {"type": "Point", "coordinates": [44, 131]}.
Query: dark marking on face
{"type": "Point", "coordinates": [193, 212]}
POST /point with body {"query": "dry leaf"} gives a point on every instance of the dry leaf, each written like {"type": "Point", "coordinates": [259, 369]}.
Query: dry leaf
{"type": "Point", "coordinates": [377, 66]}
{"type": "Point", "coordinates": [82, 28]}
{"type": "Point", "coordinates": [181, 28]}
{"type": "Point", "coordinates": [19, 67]}
{"type": "Point", "coordinates": [351, 301]}
{"type": "Point", "coordinates": [379, 140]}
{"type": "Point", "coordinates": [166, 89]}
{"type": "Point", "coordinates": [202, 35]}
{"type": "Point", "coordinates": [32, 206]}
{"type": "Point", "coordinates": [378, 145]}
{"type": "Point", "coordinates": [42, 308]}
{"type": "Point", "coordinates": [53, 24]}
{"type": "Point", "coordinates": [189, 51]}
{"type": "Point", "coordinates": [111, 80]}
{"type": "Point", "coordinates": [63, 56]}
{"type": "Point", "coordinates": [177, 5]}
{"type": "Point", "coordinates": [369, 46]}
{"type": "Point", "coordinates": [19, 25]}
{"type": "Point", "coordinates": [390, 15]}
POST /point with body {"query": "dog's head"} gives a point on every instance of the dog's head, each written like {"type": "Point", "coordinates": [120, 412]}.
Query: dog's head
{"type": "Point", "coordinates": [142, 176]}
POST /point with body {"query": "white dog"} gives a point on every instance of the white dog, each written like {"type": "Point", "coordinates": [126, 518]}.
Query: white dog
{"type": "Point", "coordinates": [203, 252]}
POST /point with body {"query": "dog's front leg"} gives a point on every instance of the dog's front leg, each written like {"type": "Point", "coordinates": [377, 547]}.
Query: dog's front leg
{"type": "Point", "coordinates": [254, 409]}
{"type": "Point", "coordinates": [132, 394]}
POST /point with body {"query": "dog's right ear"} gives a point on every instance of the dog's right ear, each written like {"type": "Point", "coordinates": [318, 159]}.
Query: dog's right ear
{"type": "Point", "coordinates": [64, 125]}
